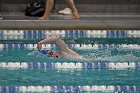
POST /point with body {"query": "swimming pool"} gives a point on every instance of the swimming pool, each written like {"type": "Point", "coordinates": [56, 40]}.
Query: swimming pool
{"type": "Point", "coordinates": [112, 63]}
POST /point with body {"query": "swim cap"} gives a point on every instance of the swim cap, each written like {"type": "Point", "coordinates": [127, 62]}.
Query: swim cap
{"type": "Point", "coordinates": [44, 51]}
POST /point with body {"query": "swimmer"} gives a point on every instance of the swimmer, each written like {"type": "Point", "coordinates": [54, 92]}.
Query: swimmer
{"type": "Point", "coordinates": [64, 50]}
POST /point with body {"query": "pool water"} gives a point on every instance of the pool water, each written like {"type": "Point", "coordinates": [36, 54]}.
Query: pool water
{"type": "Point", "coordinates": [69, 77]}
{"type": "Point", "coordinates": [27, 52]}
{"type": "Point", "coordinates": [110, 65]}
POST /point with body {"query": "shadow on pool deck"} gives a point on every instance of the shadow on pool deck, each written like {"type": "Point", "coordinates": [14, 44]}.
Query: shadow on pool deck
{"type": "Point", "coordinates": [87, 21]}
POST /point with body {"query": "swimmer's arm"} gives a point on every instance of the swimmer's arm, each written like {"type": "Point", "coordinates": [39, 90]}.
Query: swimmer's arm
{"type": "Point", "coordinates": [49, 39]}
{"type": "Point", "coordinates": [57, 40]}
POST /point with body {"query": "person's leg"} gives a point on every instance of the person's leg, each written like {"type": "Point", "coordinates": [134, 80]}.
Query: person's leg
{"type": "Point", "coordinates": [73, 8]}
{"type": "Point", "coordinates": [0, 16]}
{"type": "Point", "coordinates": [49, 6]}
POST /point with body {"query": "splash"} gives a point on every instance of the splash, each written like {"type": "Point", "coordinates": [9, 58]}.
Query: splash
{"type": "Point", "coordinates": [112, 54]}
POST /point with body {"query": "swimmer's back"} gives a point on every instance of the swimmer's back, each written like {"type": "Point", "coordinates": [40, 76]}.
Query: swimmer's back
{"type": "Point", "coordinates": [70, 54]}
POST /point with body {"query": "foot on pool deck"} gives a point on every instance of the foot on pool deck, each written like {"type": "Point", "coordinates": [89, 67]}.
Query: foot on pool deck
{"type": "Point", "coordinates": [76, 16]}
{"type": "Point", "coordinates": [43, 18]}
{"type": "Point", "coordinates": [46, 18]}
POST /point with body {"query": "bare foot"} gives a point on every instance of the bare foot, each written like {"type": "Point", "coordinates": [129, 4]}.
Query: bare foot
{"type": "Point", "coordinates": [76, 16]}
{"type": "Point", "coordinates": [43, 18]}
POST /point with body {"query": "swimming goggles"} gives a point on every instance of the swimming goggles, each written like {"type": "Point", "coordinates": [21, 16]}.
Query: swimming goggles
{"type": "Point", "coordinates": [47, 52]}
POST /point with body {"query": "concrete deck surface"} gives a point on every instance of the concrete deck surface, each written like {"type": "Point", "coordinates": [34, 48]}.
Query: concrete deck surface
{"type": "Point", "coordinates": [56, 21]}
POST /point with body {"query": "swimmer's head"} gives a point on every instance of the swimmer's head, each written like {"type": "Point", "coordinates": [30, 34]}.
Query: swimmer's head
{"type": "Point", "coordinates": [50, 53]}
{"type": "Point", "coordinates": [47, 52]}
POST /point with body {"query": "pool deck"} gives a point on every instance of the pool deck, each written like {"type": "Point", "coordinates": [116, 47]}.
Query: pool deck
{"type": "Point", "coordinates": [87, 21]}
